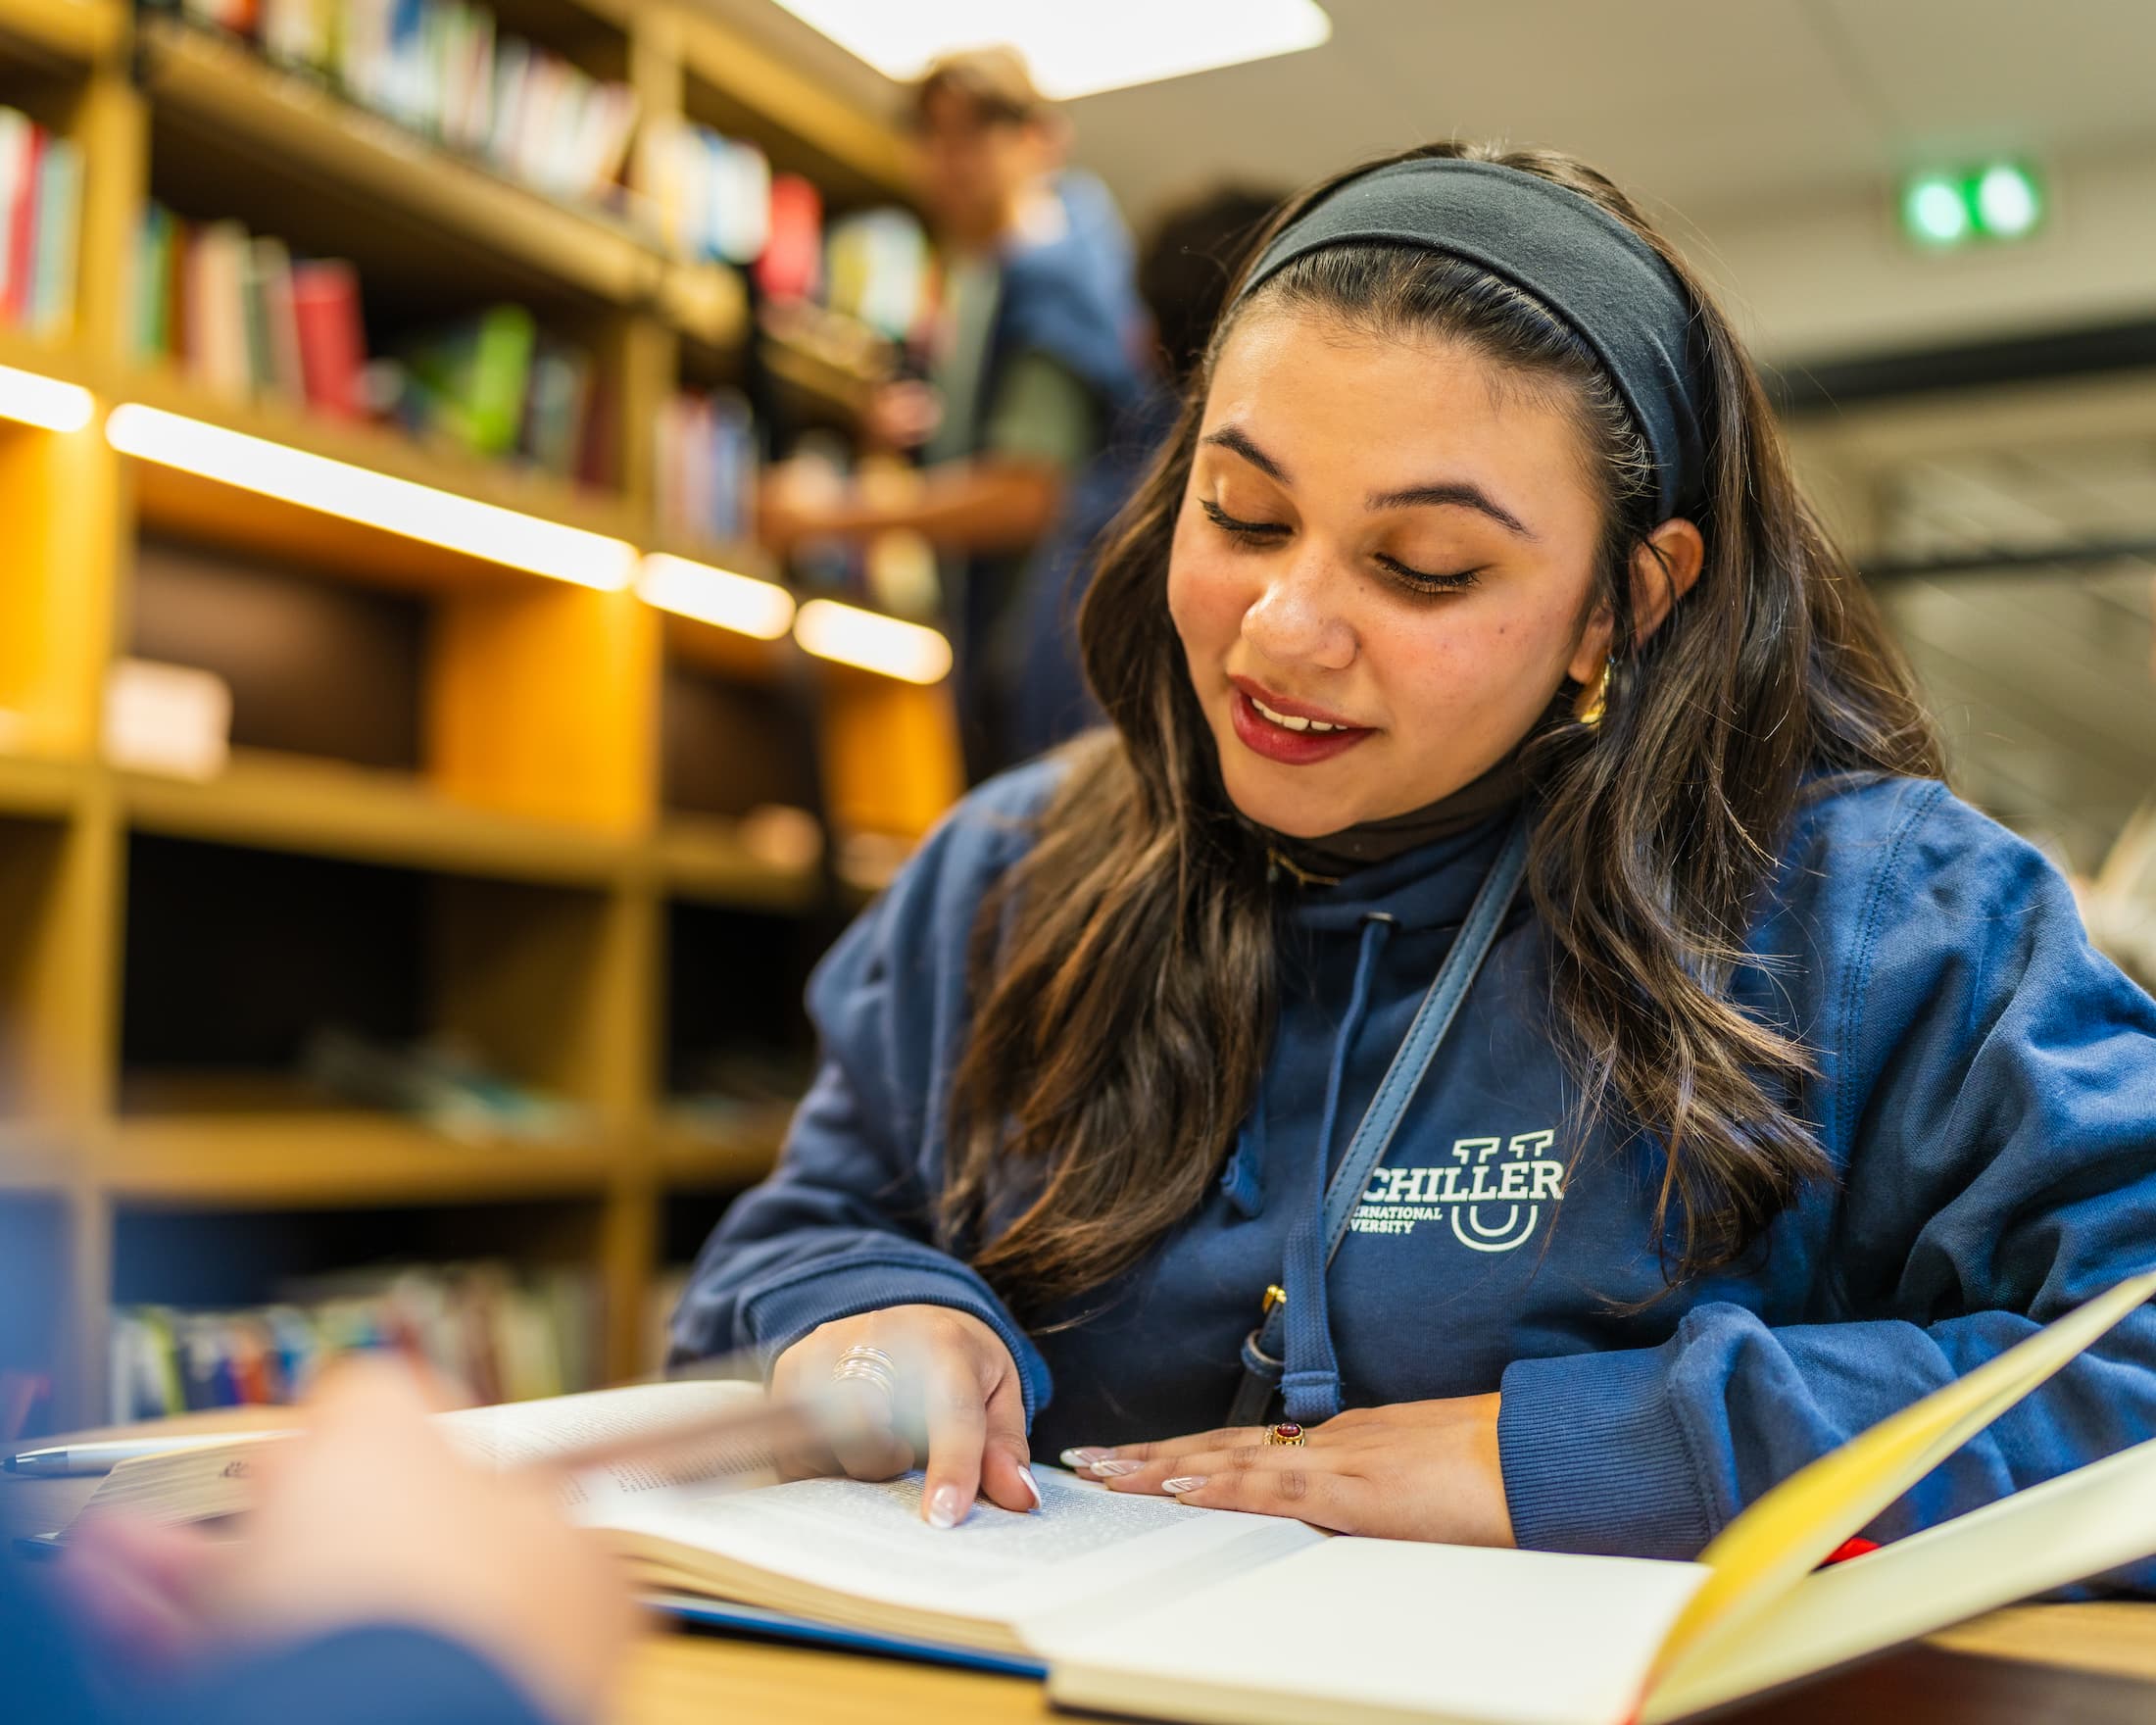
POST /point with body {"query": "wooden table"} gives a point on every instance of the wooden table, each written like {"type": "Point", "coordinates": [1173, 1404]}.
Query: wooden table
{"type": "Point", "coordinates": [2085, 1665]}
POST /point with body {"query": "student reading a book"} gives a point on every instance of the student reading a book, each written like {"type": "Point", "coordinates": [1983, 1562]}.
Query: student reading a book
{"type": "Point", "coordinates": [1472, 639]}
{"type": "Point", "coordinates": [1037, 353]}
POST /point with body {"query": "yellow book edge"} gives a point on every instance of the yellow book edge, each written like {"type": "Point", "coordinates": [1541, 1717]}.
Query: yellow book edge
{"type": "Point", "coordinates": [1768, 1549]}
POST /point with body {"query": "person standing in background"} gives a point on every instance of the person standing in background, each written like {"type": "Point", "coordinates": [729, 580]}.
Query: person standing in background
{"type": "Point", "coordinates": [1182, 279]}
{"type": "Point", "coordinates": [2119, 903]}
{"type": "Point", "coordinates": [1036, 353]}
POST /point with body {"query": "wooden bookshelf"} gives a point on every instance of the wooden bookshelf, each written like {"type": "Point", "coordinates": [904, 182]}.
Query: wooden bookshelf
{"type": "Point", "coordinates": [534, 813]}
{"type": "Point", "coordinates": [325, 809]}
{"type": "Point", "coordinates": [303, 129]}
{"type": "Point", "coordinates": [66, 30]}
{"type": "Point", "coordinates": [689, 1156]}
{"type": "Point", "coordinates": [703, 859]}
{"type": "Point", "coordinates": [247, 1160]}
{"type": "Point", "coordinates": [42, 789]}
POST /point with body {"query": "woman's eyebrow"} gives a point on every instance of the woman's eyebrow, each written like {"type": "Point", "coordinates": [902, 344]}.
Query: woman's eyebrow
{"type": "Point", "coordinates": [1236, 439]}
{"type": "Point", "coordinates": [1455, 492]}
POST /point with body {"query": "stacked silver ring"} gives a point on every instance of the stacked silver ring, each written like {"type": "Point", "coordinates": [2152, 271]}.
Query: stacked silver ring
{"type": "Point", "coordinates": [863, 1365]}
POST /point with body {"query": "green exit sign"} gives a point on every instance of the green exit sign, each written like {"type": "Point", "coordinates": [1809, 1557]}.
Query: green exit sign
{"type": "Point", "coordinates": [1999, 200]}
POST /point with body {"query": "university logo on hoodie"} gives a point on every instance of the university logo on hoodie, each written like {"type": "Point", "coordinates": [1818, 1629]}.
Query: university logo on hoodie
{"type": "Point", "coordinates": [1492, 1193]}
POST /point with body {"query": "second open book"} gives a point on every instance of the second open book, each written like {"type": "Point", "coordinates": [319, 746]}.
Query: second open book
{"type": "Point", "coordinates": [1140, 1606]}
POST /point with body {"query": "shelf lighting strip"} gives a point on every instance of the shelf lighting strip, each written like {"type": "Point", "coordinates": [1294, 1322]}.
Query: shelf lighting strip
{"type": "Point", "coordinates": [44, 402]}
{"type": "Point", "coordinates": [744, 604]}
{"type": "Point", "coordinates": [741, 603]}
{"type": "Point", "coordinates": [871, 641]}
{"type": "Point", "coordinates": [375, 500]}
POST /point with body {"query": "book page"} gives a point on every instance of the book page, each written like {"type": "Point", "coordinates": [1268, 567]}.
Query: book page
{"type": "Point", "coordinates": [2064, 1530]}
{"type": "Point", "coordinates": [517, 1432]}
{"type": "Point", "coordinates": [1363, 1629]}
{"type": "Point", "coordinates": [1085, 1550]}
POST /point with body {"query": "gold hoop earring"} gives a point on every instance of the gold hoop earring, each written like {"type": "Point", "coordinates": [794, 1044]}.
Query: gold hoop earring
{"type": "Point", "coordinates": [1592, 700]}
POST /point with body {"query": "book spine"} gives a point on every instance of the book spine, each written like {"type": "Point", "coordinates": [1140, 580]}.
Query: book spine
{"type": "Point", "coordinates": [22, 219]}
{"type": "Point", "coordinates": [16, 154]}
{"type": "Point", "coordinates": [331, 341]}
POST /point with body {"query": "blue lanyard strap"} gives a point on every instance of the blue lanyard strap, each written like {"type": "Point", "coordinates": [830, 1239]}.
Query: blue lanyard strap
{"type": "Point", "coordinates": [1293, 1348]}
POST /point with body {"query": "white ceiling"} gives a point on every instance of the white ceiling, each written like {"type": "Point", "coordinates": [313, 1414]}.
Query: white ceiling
{"type": "Point", "coordinates": [1708, 106]}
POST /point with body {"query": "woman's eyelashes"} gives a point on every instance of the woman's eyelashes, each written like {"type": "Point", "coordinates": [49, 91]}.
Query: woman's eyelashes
{"type": "Point", "coordinates": [1244, 532]}
{"type": "Point", "coordinates": [1265, 535]}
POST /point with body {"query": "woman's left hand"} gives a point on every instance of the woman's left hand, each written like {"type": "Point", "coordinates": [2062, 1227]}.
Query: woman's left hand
{"type": "Point", "coordinates": [1416, 1471]}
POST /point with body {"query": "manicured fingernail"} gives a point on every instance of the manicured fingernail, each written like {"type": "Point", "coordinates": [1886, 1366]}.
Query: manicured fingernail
{"type": "Point", "coordinates": [1114, 1469]}
{"type": "Point", "coordinates": [1189, 1482]}
{"type": "Point", "coordinates": [944, 1506]}
{"type": "Point", "coordinates": [1085, 1458]}
{"type": "Point", "coordinates": [1025, 1478]}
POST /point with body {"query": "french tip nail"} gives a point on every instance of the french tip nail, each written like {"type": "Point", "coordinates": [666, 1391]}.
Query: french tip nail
{"type": "Point", "coordinates": [943, 1507]}
{"type": "Point", "coordinates": [1114, 1469]}
{"type": "Point", "coordinates": [1084, 1457]}
{"type": "Point", "coordinates": [1175, 1487]}
{"type": "Point", "coordinates": [1026, 1479]}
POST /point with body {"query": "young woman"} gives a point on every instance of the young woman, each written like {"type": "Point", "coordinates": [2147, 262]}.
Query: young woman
{"type": "Point", "coordinates": [1785, 1087]}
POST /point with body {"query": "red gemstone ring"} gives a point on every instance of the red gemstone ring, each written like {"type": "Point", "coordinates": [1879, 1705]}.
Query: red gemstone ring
{"type": "Point", "coordinates": [1286, 1432]}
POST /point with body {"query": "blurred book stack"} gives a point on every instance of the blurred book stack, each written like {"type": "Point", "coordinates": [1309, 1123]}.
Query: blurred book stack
{"type": "Point", "coordinates": [707, 455]}
{"type": "Point", "coordinates": [878, 267]}
{"type": "Point", "coordinates": [40, 222]}
{"type": "Point", "coordinates": [497, 1334]}
{"type": "Point", "coordinates": [709, 196]}
{"type": "Point", "coordinates": [498, 387]}
{"type": "Point", "coordinates": [243, 318]}
{"type": "Point", "coordinates": [444, 70]}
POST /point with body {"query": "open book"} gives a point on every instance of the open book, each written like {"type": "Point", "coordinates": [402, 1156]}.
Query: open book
{"type": "Point", "coordinates": [1140, 1606]}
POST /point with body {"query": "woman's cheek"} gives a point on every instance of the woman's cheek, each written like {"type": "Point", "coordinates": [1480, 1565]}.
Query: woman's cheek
{"type": "Point", "coordinates": [1206, 600]}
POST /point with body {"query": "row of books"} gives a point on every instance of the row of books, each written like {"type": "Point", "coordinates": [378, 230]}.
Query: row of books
{"type": "Point", "coordinates": [40, 226]}
{"type": "Point", "coordinates": [498, 1334]}
{"type": "Point", "coordinates": [444, 70]}
{"type": "Point", "coordinates": [708, 467]}
{"type": "Point", "coordinates": [243, 317]}
{"type": "Point", "coordinates": [245, 320]}
{"type": "Point", "coordinates": [497, 385]}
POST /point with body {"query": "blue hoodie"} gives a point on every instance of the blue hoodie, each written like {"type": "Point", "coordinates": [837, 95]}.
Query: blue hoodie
{"type": "Point", "coordinates": [1986, 1092]}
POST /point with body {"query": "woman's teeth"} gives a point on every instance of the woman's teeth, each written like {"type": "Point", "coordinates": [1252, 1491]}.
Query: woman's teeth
{"type": "Point", "coordinates": [1287, 722]}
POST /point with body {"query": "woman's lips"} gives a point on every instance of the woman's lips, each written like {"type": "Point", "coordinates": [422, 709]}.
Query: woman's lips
{"type": "Point", "coordinates": [1290, 748]}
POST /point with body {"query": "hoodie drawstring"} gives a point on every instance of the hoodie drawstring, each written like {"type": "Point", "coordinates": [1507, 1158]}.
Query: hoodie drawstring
{"type": "Point", "coordinates": [1310, 1385]}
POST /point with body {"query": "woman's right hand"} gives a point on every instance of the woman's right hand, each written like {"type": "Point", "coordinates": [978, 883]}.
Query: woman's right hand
{"type": "Point", "coordinates": [970, 1385]}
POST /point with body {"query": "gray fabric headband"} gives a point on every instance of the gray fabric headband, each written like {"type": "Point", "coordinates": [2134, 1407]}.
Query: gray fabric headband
{"type": "Point", "coordinates": [1591, 270]}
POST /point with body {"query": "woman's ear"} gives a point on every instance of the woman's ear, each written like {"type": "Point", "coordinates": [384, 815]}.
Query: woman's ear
{"type": "Point", "coordinates": [1663, 571]}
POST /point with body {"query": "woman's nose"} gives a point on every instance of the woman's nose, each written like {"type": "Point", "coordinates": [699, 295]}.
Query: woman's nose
{"type": "Point", "coordinates": [1297, 619]}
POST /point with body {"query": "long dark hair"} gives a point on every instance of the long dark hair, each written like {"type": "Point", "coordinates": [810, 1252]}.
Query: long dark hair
{"type": "Point", "coordinates": [1123, 972]}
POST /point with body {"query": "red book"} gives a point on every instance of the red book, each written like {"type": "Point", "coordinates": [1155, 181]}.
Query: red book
{"type": "Point", "coordinates": [325, 307]}
{"type": "Point", "coordinates": [22, 219]}
{"type": "Point", "coordinates": [793, 255]}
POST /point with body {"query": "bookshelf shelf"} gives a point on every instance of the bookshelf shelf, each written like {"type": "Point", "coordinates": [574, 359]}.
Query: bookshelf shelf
{"type": "Point", "coordinates": [308, 131]}
{"type": "Point", "coordinates": [49, 790]}
{"type": "Point", "coordinates": [331, 1158]}
{"type": "Point", "coordinates": [703, 861]}
{"type": "Point", "coordinates": [187, 504]}
{"type": "Point", "coordinates": [324, 809]}
{"type": "Point", "coordinates": [31, 1162]}
{"type": "Point", "coordinates": [70, 29]}
{"type": "Point", "coordinates": [689, 1156]}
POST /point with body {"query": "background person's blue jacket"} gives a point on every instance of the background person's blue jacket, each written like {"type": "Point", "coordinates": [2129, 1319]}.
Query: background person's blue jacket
{"type": "Point", "coordinates": [1986, 1089]}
